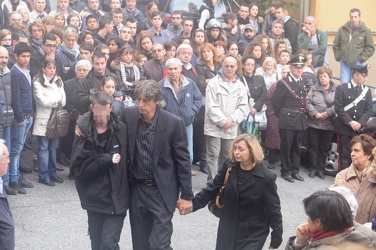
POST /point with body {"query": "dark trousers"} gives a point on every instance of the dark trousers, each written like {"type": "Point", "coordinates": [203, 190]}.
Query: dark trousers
{"type": "Point", "coordinates": [150, 219]}
{"type": "Point", "coordinates": [199, 139]}
{"type": "Point", "coordinates": [290, 151]}
{"type": "Point", "coordinates": [273, 155]}
{"type": "Point", "coordinates": [344, 151]}
{"type": "Point", "coordinates": [318, 148]}
{"type": "Point", "coordinates": [105, 230]}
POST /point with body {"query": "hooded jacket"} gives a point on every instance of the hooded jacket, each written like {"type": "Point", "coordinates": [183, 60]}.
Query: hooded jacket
{"type": "Point", "coordinates": [101, 185]}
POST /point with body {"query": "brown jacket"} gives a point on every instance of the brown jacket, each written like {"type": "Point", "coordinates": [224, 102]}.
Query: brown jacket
{"type": "Point", "coordinates": [366, 196]}
{"type": "Point", "coordinates": [349, 179]}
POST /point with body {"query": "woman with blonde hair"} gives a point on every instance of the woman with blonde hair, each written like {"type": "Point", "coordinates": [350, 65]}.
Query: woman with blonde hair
{"type": "Point", "coordinates": [59, 20]}
{"type": "Point", "coordinates": [268, 71]}
{"type": "Point", "coordinates": [251, 204]}
{"type": "Point", "coordinates": [5, 38]}
{"type": "Point", "coordinates": [68, 51]}
{"type": "Point", "coordinates": [49, 23]}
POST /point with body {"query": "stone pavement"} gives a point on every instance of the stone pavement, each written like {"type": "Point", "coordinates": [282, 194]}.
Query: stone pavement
{"type": "Point", "coordinates": [51, 217]}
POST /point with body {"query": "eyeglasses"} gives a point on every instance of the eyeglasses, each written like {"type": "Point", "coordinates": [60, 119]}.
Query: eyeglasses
{"type": "Point", "coordinates": [50, 45]}
{"type": "Point", "coordinates": [229, 66]}
{"type": "Point", "coordinates": [157, 50]}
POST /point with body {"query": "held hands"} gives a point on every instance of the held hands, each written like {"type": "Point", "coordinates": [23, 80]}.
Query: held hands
{"type": "Point", "coordinates": [184, 206]}
{"type": "Point", "coordinates": [119, 98]}
{"type": "Point", "coordinates": [322, 116]}
{"type": "Point", "coordinates": [253, 111]}
{"type": "Point", "coordinates": [355, 125]}
{"type": "Point", "coordinates": [229, 123]}
{"type": "Point", "coordinates": [302, 234]}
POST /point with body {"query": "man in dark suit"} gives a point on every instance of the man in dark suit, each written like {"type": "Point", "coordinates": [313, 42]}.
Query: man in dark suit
{"type": "Point", "coordinates": [289, 104]}
{"type": "Point", "coordinates": [353, 105]}
{"type": "Point", "coordinates": [159, 166]}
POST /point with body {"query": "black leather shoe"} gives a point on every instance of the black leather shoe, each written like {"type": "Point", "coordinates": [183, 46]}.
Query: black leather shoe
{"type": "Point", "coordinates": [288, 178]}
{"type": "Point", "coordinates": [312, 174]}
{"type": "Point", "coordinates": [10, 191]}
{"type": "Point", "coordinates": [63, 161]}
{"type": "Point", "coordinates": [47, 182]}
{"type": "Point", "coordinates": [26, 170]}
{"type": "Point", "coordinates": [56, 179]}
{"type": "Point", "coordinates": [321, 176]}
{"type": "Point", "coordinates": [18, 187]}
{"type": "Point", "coordinates": [297, 177]}
{"type": "Point", "coordinates": [271, 165]}
{"type": "Point", "coordinates": [24, 183]}
{"type": "Point", "coordinates": [204, 167]}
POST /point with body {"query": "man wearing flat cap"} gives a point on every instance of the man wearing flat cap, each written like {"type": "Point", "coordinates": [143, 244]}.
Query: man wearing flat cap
{"type": "Point", "coordinates": [290, 104]}
{"type": "Point", "coordinates": [353, 106]}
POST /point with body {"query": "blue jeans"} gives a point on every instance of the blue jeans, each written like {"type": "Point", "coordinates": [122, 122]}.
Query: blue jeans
{"type": "Point", "coordinates": [189, 129]}
{"type": "Point", "coordinates": [345, 74]}
{"type": "Point", "coordinates": [6, 137]}
{"type": "Point", "coordinates": [18, 135]}
{"type": "Point", "coordinates": [47, 156]}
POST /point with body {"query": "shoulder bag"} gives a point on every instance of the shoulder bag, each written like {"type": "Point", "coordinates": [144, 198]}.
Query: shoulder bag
{"type": "Point", "coordinates": [215, 206]}
{"type": "Point", "coordinates": [58, 123]}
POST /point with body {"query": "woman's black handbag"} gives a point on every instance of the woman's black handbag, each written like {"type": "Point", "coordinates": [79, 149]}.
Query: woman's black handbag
{"type": "Point", "coordinates": [58, 123]}
{"type": "Point", "coordinates": [215, 206]}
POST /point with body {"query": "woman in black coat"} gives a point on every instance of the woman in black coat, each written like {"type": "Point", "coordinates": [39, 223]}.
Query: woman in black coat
{"type": "Point", "coordinates": [250, 199]}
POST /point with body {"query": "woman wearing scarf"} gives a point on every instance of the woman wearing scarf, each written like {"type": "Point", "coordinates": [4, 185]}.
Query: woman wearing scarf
{"type": "Point", "coordinates": [126, 70]}
{"type": "Point", "coordinates": [329, 224]}
{"type": "Point", "coordinates": [68, 50]}
{"type": "Point", "coordinates": [37, 31]}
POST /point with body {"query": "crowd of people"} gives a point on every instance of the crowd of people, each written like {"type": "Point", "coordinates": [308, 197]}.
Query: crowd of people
{"type": "Point", "coordinates": [148, 98]}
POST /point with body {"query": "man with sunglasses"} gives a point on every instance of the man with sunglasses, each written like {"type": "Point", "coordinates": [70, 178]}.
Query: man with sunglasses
{"type": "Point", "coordinates": [154, 68]}
{"type": "Point", "coordinates": [47, 49]}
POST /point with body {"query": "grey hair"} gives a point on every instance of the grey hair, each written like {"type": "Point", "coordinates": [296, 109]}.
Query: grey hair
{"type": "Point", "coordinates": [349, 196]}
{"type": "Point", "coordinates": [174, 60]}
{"type": "Point", "coordinates": [184, 46]}
{"type": "Point", "coordinates": [2, 151]}
{"type": "Point", "coordinates": [149, 90]}
{"type": "Point", "coordinates": [312, 18]}
{"type": "Point", "coordinates": [83, 62]}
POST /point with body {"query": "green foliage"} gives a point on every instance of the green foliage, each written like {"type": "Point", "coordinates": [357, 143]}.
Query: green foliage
{"type": "Point", "coordinates": [263, 5]}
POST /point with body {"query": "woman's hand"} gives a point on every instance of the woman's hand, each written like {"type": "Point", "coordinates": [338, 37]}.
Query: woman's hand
{"type": "Point", "coordinates": [302, 234]}
{"type": "Point", "coordinates": [253, 111]}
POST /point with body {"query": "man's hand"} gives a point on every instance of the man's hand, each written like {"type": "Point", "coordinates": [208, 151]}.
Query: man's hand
{"type": "Point", "coordinates": [228, 124]}
{"type": "Point", "coordinates": [302, 234]}
{"type": "Point", "coordinates": [253, 111]}
{"type": "Point", "coordinates": [116, 158]}
{"type": "Point", "coordinates": [78, 132]}
{"type": "Point", "coordinates": [184, 206]}
{"type": "Point", "coordinates": [304, 29]}
{"type": "Point", "coordinates": [355, 125]}
{"type": "Point", "coordinates": [119, 98]}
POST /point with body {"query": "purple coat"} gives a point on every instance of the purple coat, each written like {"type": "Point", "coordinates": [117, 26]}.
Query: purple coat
{"type": "Point", "coordinates": [272, 138]}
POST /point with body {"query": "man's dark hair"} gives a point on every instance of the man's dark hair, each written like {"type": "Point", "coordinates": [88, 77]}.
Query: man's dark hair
{"type": "Point", "coordinates": [90, 17]}
{"type": "Point", "coordinates": [99, 47]}
{"type": "Point", "coordinates": [156, 13]}
{"type": "Point", "coordinates": [17, 34]}
{"type": "Point", "coordinates": [331, 208]}
{"type": "Point", "coordinates": [228, 16]}
{"type": "Point", "coordinates": [98, 55]}
{"type": "Point", "coordinates": [187, 19]}
{"type": "Point", "coordinates": [131, 20]}
{"type": "Point", "coordinates": [102, 98]}
{"type": "Point", "coordinates": [355, 10]}
{"type": "Point", "coordinates": [87, 46]}
{"type": "Point", "coordinates": [279, 5]}
{"type": "Point", "coordinates": [21, 47]}
{"type": "Point", "coordinates": [48, 36]}
{"type": "Point", "coordinates": [116, 11]}
{"type": "Point", "coordinates": [149, 90]}
{"type": "Point", "coordinates": [176, 12]}
{"type": "Point", "coordinates": [106, 19]}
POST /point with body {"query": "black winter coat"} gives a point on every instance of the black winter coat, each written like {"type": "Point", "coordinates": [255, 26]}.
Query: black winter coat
{"type": "Point", "coordinates": [248, 214]}
{"type": "Point", "coordinates": [101, 185]}
{"type": "Point", "coordinates": [257, 90]}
